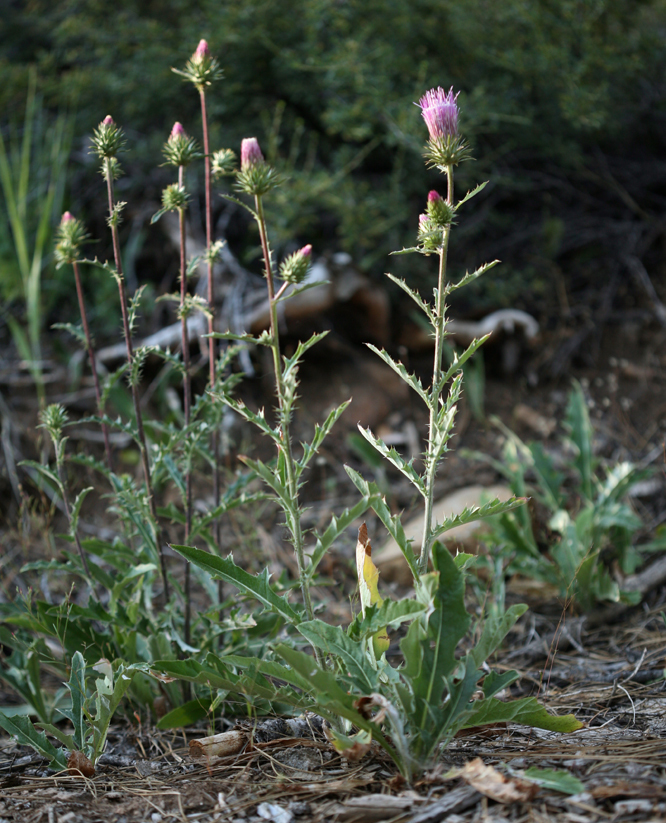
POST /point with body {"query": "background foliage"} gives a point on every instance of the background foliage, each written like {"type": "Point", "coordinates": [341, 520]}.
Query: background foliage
{"type": "Point", "coordinates": [562, 100]}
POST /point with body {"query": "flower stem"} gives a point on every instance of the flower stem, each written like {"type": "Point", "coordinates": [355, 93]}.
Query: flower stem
{"type": "Point", "coordinates": [294, 520]}
{"type": "Point", "coordinates": [215, 437]}
{"type": "Point", "coordinates": [436, 389]}
{"type": "Point", "coordinates": [187, 394]}
{"type": "Point", "coordinates": [143, 448]}
{"type": "Point", "coordinates": [93, 365]}
{"type": "Point", "coordinates": [65, 499]}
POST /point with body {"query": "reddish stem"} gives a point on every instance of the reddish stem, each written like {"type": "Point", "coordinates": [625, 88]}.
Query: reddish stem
{"type": "Point", "coordinates": [135, 392]}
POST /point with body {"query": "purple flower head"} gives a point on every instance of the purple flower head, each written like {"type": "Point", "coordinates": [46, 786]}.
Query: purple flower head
{"type": "Point", "coordinates": [440, 112]}
{"type": "Point", "coordinates": [202, 51]}
{"type": "Point", "coordinates": [108, 121]}
{"type": "Point", "coordinates": [423, 219]}
{"type": "Point", "coordinates": [250, 153]}
{"type": "Point", "coordinates": [433, 196]}
{"type": "Point", "coordinates": [306, 251]}
{"type": "Point", "coordinates": [66, 218]}
{"type": "Point", "coordinates": [176, 132]}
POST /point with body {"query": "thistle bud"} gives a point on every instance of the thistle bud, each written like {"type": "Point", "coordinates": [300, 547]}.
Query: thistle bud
{"type": "Point", "coordinates": [201, 69]}
{"type": "Point", "coordinates": [223, 162]}
{"type": "Point", "coordinates": [70, 237]}
{"type": "Point", "coordinates": [174, 198]}
{"type": "Point", "coordinates": [202, 52]}
{"type": "Point", "coordinates": [176, 132]}
{"type": "Point", "coordinates": [256, 177]}
{"type": "Point", "coordinates": [180, 150]}
{"type": "Point", "coordinates": [250, 153]}
{"type": "Point", "coordinates": [294, 268]}
{"type": "Point", "coordinates": [108, 139]}
{"type": "Point", "coordinates": [439, 211]}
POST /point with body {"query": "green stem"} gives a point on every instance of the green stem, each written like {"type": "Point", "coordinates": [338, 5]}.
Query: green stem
{"type": "Point", "coordinates": [93, 364]}
{"type": "Point", "coordinates": [294, 519]}
{"type": "Point", "coordinates": [143, 448]}
{"type": "Point", "coordinates": [436, 389]}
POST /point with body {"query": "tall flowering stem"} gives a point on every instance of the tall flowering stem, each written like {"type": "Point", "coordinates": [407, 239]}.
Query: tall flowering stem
{"type": "Point", "coordinates": [201, 70]}
{"type": "Point", "coordinates": [436, 387]}
{"type": "Point", "coordinates": [71, 235]}
{"type": "Point", "coordinates": [107, 141]}
{"type": "Point", "coordinates": [292, 483]}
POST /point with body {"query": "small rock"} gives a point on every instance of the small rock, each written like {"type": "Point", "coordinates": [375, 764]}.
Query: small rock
{"type": "Point", "coordinates": [633, 806]}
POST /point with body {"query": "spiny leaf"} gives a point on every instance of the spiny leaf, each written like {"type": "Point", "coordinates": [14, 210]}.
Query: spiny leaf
{"type": "Point", "coordinates": [390, 454]}
{"type": "Point", "coordinates": [472, 513]}
{"type": "Point", "coordinates": [27, 735]}
{"type": "Point", "coordinates": [257, 585]}
{"type": "Point", "coordinates": [411, 379]}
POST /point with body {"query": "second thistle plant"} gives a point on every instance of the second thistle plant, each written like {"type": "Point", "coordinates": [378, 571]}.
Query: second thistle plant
{"type": "Point", "coordinates": [108, 140]}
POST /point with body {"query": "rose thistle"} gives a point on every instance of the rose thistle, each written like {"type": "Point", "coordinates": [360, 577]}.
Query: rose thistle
{"type": "Point", "coordinates": [201, 69]}
{"type": "Point", "coordinates": [108, 139]}
{"type": "Point", "coordinates": [294, 268]}
{"type": "Point", "coordinates": [250, 153]}
{"type": "Point", "coordinates": [180, 150]}
{"type": "Point", "coordinates": [256, 176]}
{"type": "Point", "coordinates": [71, 236]}
{"type": "Point", "coordinates": [440, 111]}
{"type": "Point", "coordinates": [439, 211]}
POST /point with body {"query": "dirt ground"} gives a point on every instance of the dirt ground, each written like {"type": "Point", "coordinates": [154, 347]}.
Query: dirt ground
{"type": "Point", "coordinates": [608, 670]}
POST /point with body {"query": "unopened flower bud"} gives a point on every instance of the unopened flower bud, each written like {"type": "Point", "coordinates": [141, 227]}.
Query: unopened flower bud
{"type": "Point", "coordinates": [107, 139]}
{"type": "Point", "coordinates": [201, 69]}
{"type": "Point", "coordinates": [180, 150]}
{"type": "Point", "coordinates": [202, 52]}
{"type": "Point", "coordinates": [177, 131]}
{"type": "Point", "coordinates": [294, 268]}
{"type": "Point", "coordinates": [223, 162]}
{"type": "Point", "coordinates": [250, 153]}
{"type": "Point", "coordinates": [439, 211]}
{"type": "Point", "coordinates": [70, 237]}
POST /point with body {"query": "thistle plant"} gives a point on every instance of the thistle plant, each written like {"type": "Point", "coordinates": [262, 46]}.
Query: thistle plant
{"type": "Point", "coordinates": [108, 141]}
{"type": "Point", "coordinates": [201, 70]}
{"type": "Point", "coordinates": [415, 708]}
{"type": "Point", "coordinates": [445, 149]}
{"type": "Point", "coordinates": [180, 150]}
{"type": "Point", "coordinates": [71, 236]}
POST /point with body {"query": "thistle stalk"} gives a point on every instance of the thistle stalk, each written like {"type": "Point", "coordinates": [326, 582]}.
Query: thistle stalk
{"type": "Point", "coordinates": [436, 389]}
{"type": "Point", "coordinates": [143, 448]}
{"type": "Point", "coordinates": [187, 394]}
{"type": "Point", "coordinates": [295, 527]}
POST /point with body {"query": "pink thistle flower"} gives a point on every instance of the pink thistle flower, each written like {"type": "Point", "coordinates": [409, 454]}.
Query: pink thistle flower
{"type": "Point", "coordinates": [423, 219]}
{"type": "Point", "coordinates": [108, 121]}
{"type": "Point", "coordinates": [433, 196]}
{"type": "Point", "coordinates": [202, 52]}
{"type": "Point", "coordinates": [306, 251]}
{"type": "Point", "coordinates": [176, 132]}
{"type": "Point", "coordinates": [66, 218]}
{"type": "Point", "coordinates": [250, 153]}
{"type": "Point", "coordinates": [440, 112]}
